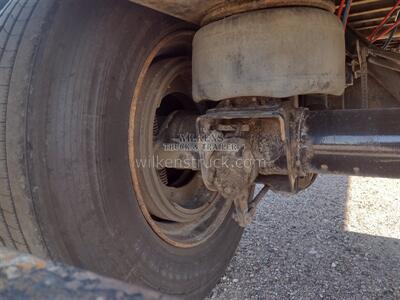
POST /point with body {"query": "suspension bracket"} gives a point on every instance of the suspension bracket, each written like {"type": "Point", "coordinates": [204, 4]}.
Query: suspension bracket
{"type": "Point", "coordinates": [284, 147]}
{"type": "Point", "coordinates": [237, 144]}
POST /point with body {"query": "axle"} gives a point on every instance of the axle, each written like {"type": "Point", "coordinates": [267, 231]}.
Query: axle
{"type": "Point", "coordinates": [348, 142]}
{"type": "Point", "coordinates": [280, 146]}
{"type": "Point", "coordinates": [353, 142]}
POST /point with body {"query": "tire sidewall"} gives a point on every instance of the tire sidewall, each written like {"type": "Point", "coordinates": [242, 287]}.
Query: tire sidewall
{"type": "Point", "coordinates": [83, 79]}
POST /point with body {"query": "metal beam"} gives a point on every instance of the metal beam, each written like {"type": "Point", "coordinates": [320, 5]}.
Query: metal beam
{"type": "Point", "coordinates": [204, 11]}
{"type": "Point", "coordinates": [192, 11]}
{"type": "Point", "coordinates": [353, 142]}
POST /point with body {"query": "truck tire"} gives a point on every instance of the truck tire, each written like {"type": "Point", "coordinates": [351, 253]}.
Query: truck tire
{"type": "Point", "coordinates": [3, 3]}
{"type": "Point", "coordinates": [68, 72]}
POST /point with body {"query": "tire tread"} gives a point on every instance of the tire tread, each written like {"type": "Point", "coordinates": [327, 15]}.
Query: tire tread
{"type": "Point", "coordinates": [14, 18]}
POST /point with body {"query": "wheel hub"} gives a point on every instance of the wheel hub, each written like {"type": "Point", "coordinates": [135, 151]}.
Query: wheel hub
{"type": "Point", "coordinates": [174, 200]}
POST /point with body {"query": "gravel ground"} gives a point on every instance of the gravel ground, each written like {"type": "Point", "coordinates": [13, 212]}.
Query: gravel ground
{"type": "Point", "coordinates": [338, 240]}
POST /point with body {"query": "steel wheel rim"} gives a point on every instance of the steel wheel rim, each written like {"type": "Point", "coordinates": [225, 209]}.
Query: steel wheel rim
{"type": "Point", "coordinates": [200, 223]}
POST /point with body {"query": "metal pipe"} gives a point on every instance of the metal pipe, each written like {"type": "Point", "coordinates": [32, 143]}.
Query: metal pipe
{"type": "Point", "coordinates": [353, 142]}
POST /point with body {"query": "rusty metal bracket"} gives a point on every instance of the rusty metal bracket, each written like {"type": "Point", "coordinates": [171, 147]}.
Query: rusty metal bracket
{"type": "Point", "coordinates": [255, 140]}
{"type": "Point", "coordinates": [360, 69]}
{"type": "Point", "coordinates": [364, 78]}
